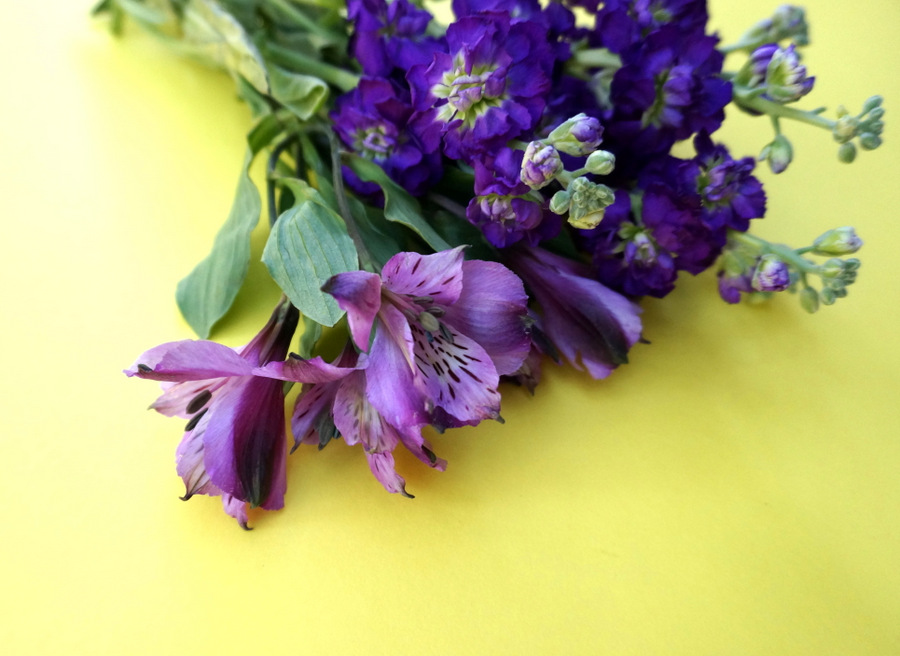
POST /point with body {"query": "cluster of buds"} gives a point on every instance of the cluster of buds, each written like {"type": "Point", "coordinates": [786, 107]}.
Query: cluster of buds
{"type": "Point", "coordinates": [754, 266]}
{"type": "Point", "coordinates": [788, 22]}
{"type": "Point", "coordinates": [867, 126]}
{"type": "Point", "coordinates": [581, 198]}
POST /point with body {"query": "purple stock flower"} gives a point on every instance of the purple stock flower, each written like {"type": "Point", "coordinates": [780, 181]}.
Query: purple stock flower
{"type": "Point", "coordinates": [502, 207]}
{"type": "Point", "coordinates": [372, 121]}
{"type": "Point", "coordinates": [732, 286]}
{"type": "Point", "coordinates": [779, 71]}
{"type": "Point", "coordinates": [234, 443]}
{"type": "Point", "coordinates": [591, 325]}
{"type": "Point", "coordinates": [445, 330]}
{"type": "Point", "coordinates": [490, 87]}
{"type": "Point", "coordinates": [731, 194]}
{"type": "Point", "coordinates": [389, 35]}
{"type": "Point", "coordinates": [623, 23]}
{"type": "Point", "coordinates": [771, 274]}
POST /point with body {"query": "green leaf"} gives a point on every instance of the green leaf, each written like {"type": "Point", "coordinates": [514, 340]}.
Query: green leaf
{"type": "Point", "coordinates": [257, 102]}
{"type": "Point", "coordinates": [216, 34]}
{"type": "Point", "coordinates": [399, 206]}
{"type": "Point", "coordinates": [302, 94]}
{"type": "Point", "coordinates": [308, 245]}
{"type": "Point", "coordinates": [312, 331]}
{"type": "Point", "coordinates": [207, 292]}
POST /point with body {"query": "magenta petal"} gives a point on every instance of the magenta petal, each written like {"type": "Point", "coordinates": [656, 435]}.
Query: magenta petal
{"type": "Point", "coordinates": [458, 375]}
{"type": "Point", "coordinates": [189, 360]}
{"type": "Point", "coordinates": [312, 412]}
{"type": "Point", "coordinates": [298, 370]}
{"type": "Point", "coordinates": [359, 294]}
{"type": "Point", "coordinates": [390, 384]}
{"type": "Point", "coordinates": [439, 275]}
{"type": "Point", "coordinates": [492, 311]}
{"type": "Point", "coordinates": [245, 442]}
{"type": "Point", "coordinates": [382, 465]}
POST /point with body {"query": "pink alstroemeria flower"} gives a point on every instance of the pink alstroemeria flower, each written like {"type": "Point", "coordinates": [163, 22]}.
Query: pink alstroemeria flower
{"type": "Point", "coordinates": [445, 330]}
{"type": "Point", "coordinates": [234, 444]}
{"type": "Point", "coordinates": [590, 324]}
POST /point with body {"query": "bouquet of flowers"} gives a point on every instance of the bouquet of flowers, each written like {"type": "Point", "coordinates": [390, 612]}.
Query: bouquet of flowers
{"type": "Point", "coordinates": [457, 204]}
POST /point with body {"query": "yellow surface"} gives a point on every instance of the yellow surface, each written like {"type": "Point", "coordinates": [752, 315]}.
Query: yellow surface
{"type": "Point", "coordinates": [734, 490]}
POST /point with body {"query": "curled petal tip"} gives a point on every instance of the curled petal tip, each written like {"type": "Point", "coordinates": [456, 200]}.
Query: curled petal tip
{"type": "Point", "coordinates": [245, 526]}
{"type": "Point", "coordinates": [187, 496]}
{"type": "Point", "coordinates": [406, 494]}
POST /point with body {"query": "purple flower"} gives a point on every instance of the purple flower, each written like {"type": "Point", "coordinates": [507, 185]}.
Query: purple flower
{"type": "Point", "coordinates": [732, 286]}
{"type": "Point", "coordinates": [372, 121]}
{"type": "Point", "coordinates": [234, 442]}
{"type": "Point", "coordinates": [490, 87]}
{"type": "Point", "coordinates": [623, 23]}
{"type": "Point", "coordinates": [503, 207]}
{"type": "Point", "coordinates": [731, 195]}
{"type": "Point", "coordinates": [540, 165]}
{"type": "Point", "coordinates": [779, 71]}
{"type": "Point", "coordinates": [591, 325]}
{"type": "Point", "coordinates": [444, 332]}
{"type": "Point", "coordinates": [389, 35]}
{"type": "Point", "coordinates": [340, 407]}
{"type": "Point", "coordinates": [771, 274]}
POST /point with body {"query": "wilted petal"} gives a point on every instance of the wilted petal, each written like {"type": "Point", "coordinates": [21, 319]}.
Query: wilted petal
{"type": "Point", "coordinates": [359, 294]}
{"type": "Point", "coordinates": [189, 360]}
{"type": "Point", "coordinates": [438, 275]}
{"type": "Point", "coordinates": [492, 311]}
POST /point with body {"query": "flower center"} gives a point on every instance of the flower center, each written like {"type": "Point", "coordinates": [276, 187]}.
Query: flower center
{"type": "Point", "coordinates": [469, 92]}
{"type": "Point", "coordinates": [374, 143]}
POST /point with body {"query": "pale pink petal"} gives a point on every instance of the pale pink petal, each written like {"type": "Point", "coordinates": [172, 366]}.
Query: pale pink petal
{"type": "Point", "coordinates": [358, 421]}
{"type": "Point", "coordinates": [237, 509]}
{"type": "Point", "coordinates": [438, 276]}
{"type": "Point", "coordinates": [177, 397]}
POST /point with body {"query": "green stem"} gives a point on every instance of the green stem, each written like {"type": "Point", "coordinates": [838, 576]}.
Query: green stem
{"type": "Point", "coordinates": [366, 261]}
{"type": "Point", "coordinates": [783, 251]}
{"type": "Point", "coordinates": [746, 99]}
{"type": "Point", "coordinates": [598, 58]}
{"type": "Point", "coordinates": [344, 80]}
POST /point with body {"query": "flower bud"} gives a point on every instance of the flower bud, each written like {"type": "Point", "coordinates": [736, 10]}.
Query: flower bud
{"type": "Point", "coordinates": [786, 79]}
{"type": "Point", "coordinates": [601, 162]}
{"type": "Point", "coordinates": [869, 141]}
{"type": "Point", "coordinates": [771, 275]}
{"type": "Point", "coordinates": [827, 296]}
{"type": "Point", "coordinates": [872, 103]}
{"type": "Point", "coordinates": [809, 299]}
{"type": "Point", "coordinates": [840, 241]}
{"type": "Point", "coordinates": [832, 268]}
{"type": "Point", "coordinates": [578, 136]}
{"type": "Point", "coordinates": [778, 154]}
{"type": "Point", "coordinates": [845, 128]}
{"type": "Point", "coordinates": [560, 202]}
{"type": "Point", "coordinates": [847, 152]}
{"type": "Point", "coordinates": [541, 165]}
{"type": "Point", "coordinates": [588, 203]}
{"type": "Point", "coordinates": [788, 22]}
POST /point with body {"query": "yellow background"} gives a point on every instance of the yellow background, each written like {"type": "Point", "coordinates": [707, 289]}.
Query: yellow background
{"type": "Point", "coordinates": [734, 490]}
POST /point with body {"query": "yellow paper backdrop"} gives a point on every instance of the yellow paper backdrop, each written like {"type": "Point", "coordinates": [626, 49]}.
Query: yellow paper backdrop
{"type": "Point", "coordinates": [734, 490]}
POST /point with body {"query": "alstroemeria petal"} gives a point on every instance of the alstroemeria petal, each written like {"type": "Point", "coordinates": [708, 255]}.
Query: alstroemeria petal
{"type": "Point", "coordinates": [236, 508]}
{"type": "Point", "coordinates": [312, 415]}
{"type": "Point", "coordinates": [492, 310]}
{"type": "Point", "coordinates": [189, 360]}
{"type": "Point", "coordinates": [458, 374]}
{"type": "Point", "coordinates": [416, 444]}
{"type": "Point", "coordinates": [390, 385]}
{"type": "Point", "coordinates": [382, 466]}
{"type": "Point", "coordinates": [189, 462]}
{"type": "Point", "coordinates": [245, 442]}
{"type": "Point", "coordinates": [176, 398]}
{"type": "Point", "coordinates": [438, 275]}
{"type": "Point", "coordinates": [298, 370]}
{"type": "Point", "coordinates": [359, 294]}
{"type": "Point", "coordinates": [359, 421]}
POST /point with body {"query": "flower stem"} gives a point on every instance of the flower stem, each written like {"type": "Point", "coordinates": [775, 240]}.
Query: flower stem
{"type": "Point", "coordinates": [744, 98]}
{"type": "Point", "coordinates": [366, 261]}
{"type": "Point", "coordinates": [783, 251]}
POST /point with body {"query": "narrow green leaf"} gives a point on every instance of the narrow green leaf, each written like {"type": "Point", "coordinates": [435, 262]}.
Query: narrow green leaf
{"type": "Point", "coordinates": [399, 206]}
{"type": "Point", "coordinates": [207, 292]}
{"type": "Point", "coordinates": [302, 94]}
{"type": "Point", "coordinates": [308, 245]}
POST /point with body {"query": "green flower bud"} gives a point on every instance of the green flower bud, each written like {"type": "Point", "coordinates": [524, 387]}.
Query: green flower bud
{"type": "Point", "coordinates": [827, 296]}
{"type": "Point", "coordinates": [832, 268]}
{"type": "Point", "coordinates": [809, 299]}
{"type": "Point", "coordinates": [588, 203]}
{"type": "Point", "coordinates": [840, 241]}
{"type": "Point", "coordinates": [845, 128]}
{"type": "Point", "coordinates": [778, 154]}
{"type": "Point", "coordinates": [872, 103]}
{"type": "Point", "coordinates": [560, 202]}
{"type": "Point", "coordinates": [847, 152]}
{"type": "Point", "coordinates": [869, 141]}
{"type": "Point", "coordinates": [601, 162]}
{"type": "Point", "coordinates": [578, 136]}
